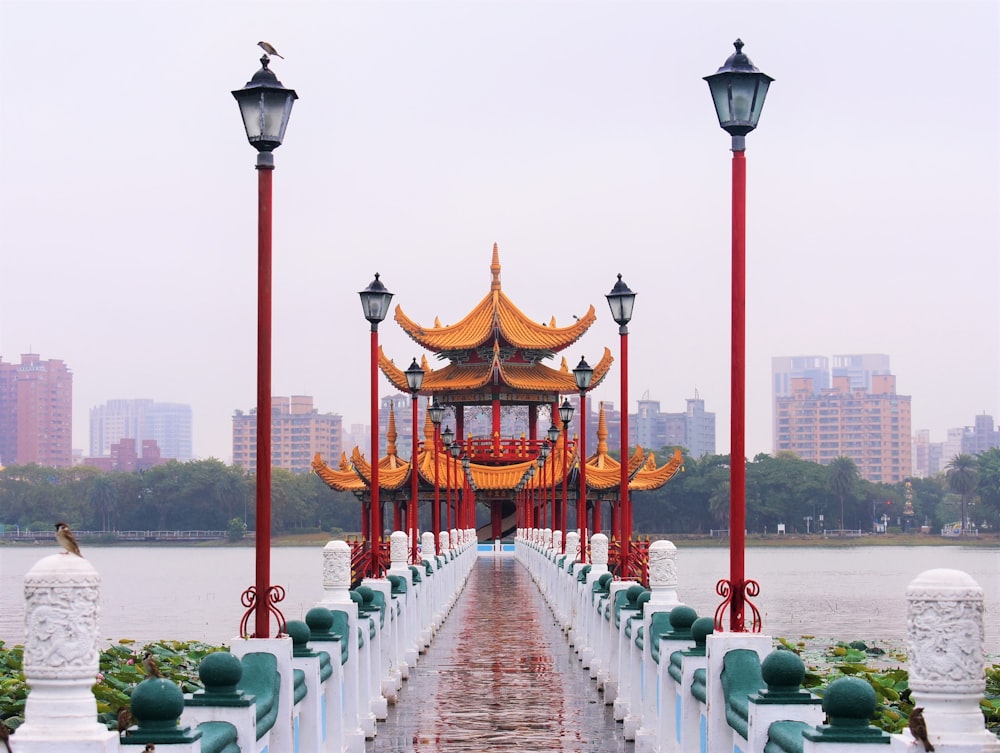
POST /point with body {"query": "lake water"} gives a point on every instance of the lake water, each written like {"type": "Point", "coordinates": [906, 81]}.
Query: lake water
{"type": "Point", "coordinates": [185, 593]}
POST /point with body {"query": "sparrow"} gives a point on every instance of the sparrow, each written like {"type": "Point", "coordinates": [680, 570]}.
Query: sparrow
{"type": "Point", "coordinates": [5, 733]}
{"type": "Point", "coordinates": [66, 538]}
{"type": "Point", "coordinates": [150, 748]}
{"type": "Point", "coordinates": [918, 728]}
{"type": "Point", "coordinates": [269, 49]}
{"type": "Point", "coordinates": [149, 664]}
{"type": "Point", "coordinates": [124, 718]}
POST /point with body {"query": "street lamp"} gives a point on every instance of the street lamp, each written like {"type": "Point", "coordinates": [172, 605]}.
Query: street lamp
{"type": "Point", "coordinates": [621, 300]}
{"type": "Point", "coordinates": [436, 412]}
{"type": "Point", "coordinates": [467, 521]}
{"type": "Point", "coordinates": [265, 106]}
{"type": "Point", "coordinates": [565, 415]}
{"type": "Point", "coordinates": [456, 450]}
{"type": "Point", "coordinates": [583, 375]}
{"type": "Point", "coordinates": [375, 301]}
{"type": "Point", "coordinates": [738, 91]}
{"type": "Point", "coordinates": [414, 380]}
{"type": "Point", "coordinates": [543, 453]}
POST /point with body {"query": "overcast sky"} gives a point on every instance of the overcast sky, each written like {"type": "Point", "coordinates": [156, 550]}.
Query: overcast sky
{"type": "Point", "coordinates": [579, 136]}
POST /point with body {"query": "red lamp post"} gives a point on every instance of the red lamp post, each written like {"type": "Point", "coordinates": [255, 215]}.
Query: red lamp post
{"type": "Point", "coordinates": [543, 454]}
{"type": "Point", "coordinates": [467, 520]}
{"type": "Point", "coordinates": [621, 300]}
{"type": "Point", "coordinates": [265, 106]}
{"type": "Point", "coordinates": [414, 380]}
{"type": "Point", "coordinates": [738, 91]}
{"type": "Point", "coordinates": [565, 415]}
{"type": "Point", "coordinates": [375, 301]}
{"type": "Point", "coordinates": [436, 412]}
{"type": "Point", "coordinates": [583, 375]}
{"type": "Point", "coordinates": [456, 451]}
{"type": "Point", "coordinates": [447, 436]}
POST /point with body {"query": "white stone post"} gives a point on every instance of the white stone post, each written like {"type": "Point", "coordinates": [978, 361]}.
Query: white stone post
{"type": "Point", "coordinates": [61, 659]}
{"type": "Point", "coordinates": [662, 575]}
{"type": "Point", "coordinates": [945, 614]}
{"type": "Point", "coordinates": [359, 722]}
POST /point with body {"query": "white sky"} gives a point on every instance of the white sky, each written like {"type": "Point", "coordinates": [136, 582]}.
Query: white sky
{"type": "Point", "coordinates": [580, 136]}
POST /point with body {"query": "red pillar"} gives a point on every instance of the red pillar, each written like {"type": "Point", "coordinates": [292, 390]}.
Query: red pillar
{"type": "Point", "coordinates": [376, 527]}
{"type": "Point", "coordinates": [565, 492]}
{"type": "Point", "coordinates": [263, 491]}
{"type": "Point", "coordinates": [496, 426]}
{"type": "Point", "coordinates": [737, 456]}
{"type": "Point", "coordinates": [436, 512]}
{"type": "Point", "coordinates": [624, 502]}
{"type": "Point", "coordinates": [413, 508]}
{"type": "Point", "coordinates": [581, 504]}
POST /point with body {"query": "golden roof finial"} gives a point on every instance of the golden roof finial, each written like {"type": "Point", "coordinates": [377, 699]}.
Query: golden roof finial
{"type": "Point", "coordinates": [390, 435]}
{"type": "Point", "coordinates": [495, 268]}
{"type": "Point", "coordinates": [602, 432]}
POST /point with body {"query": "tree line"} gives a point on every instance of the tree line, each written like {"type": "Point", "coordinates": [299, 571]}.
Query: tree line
{"type": "Point", "coordinates": [784, 489]}
{"type": "Point", "coordinates": [780, 489]}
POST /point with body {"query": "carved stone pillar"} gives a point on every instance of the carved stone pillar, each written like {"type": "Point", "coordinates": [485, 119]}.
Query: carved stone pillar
{"type": "Point", "coordinates": [663, 573]}
{"type": "Point", "coordinates": [599, 550]}
{"type": "Point", "coordinates": [573, 546]}
{"type": "Point", "coordinates": [336, 572]}
{"type": "Point", "coordinates": [61, 658]}
{"type": "Point", "coordinates": [399, 542]}
{"type": "Point", "coordinates": [945, 627]}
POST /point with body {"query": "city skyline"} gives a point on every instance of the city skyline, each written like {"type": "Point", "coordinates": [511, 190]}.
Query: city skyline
{"type": "Point", "coordinates": [578, 136]}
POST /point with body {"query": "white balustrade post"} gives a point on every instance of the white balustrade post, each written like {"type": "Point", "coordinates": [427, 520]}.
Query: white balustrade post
{"type": "Point", "coordinates": [945, 624]}
{"type": "Point", "coordinates": [61, 659]}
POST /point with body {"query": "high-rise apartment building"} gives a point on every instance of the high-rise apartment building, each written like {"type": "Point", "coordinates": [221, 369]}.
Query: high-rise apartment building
{"type": "Point", "coordinates": [168, 424]}
{"type": "Point", "coordinates": [872, 427]}
{"type": "Point", "coordinates": [298, 432]}
{"type": "Point", "coordinates": [694, 429]}
{"type": "Point", "coordinates": [36, 412]}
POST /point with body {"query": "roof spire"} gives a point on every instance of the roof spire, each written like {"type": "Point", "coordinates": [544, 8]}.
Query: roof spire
{"type": "Point", "coordinates": [390, 435]}
{"type": "Point", "coordinates": [602, 433]}
{"type": "Point", "coordinates": [495, 268]}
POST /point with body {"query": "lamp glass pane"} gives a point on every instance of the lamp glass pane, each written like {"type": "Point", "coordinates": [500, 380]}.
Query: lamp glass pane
{"type": "Point", "coordinates": [250, 106]}
{"type": "Point", "coordinates": [276, 103]}
{"type": "Point", "coordinates": [758, 104]}
{"type": "Point", "coordinates": [720, 96]}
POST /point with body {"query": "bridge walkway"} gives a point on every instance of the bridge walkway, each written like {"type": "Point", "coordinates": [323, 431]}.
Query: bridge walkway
{"type": "Point", "coordinates": [499, 676]}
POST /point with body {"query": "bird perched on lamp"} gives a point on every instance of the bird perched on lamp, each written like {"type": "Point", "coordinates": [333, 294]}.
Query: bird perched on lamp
{"type": "Point", "coordinates": [918, 728]}
{"type": "Point", "coordinates": [67, 540]}
{"type": "Point", "coordinates": [269, 49]}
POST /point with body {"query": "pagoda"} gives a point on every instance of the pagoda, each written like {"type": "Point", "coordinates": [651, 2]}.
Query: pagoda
{"type": "Point", "coordinates": [495, 360]}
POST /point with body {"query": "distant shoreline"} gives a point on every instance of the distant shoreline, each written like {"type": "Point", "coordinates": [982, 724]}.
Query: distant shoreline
{"type": "Point", "coordinates": [681, 540]}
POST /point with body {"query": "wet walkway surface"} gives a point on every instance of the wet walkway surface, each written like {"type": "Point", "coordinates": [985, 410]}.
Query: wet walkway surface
{"type": "Point", "coordinates": [499, 675]}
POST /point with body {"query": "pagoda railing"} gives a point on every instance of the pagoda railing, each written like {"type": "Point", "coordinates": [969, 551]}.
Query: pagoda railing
{"type": "Point", "coordinates": [361, 560]}
{"type": "Point", "coordinates": [498, 449]}
{"type": "Point", "coordinates": [637, 567]}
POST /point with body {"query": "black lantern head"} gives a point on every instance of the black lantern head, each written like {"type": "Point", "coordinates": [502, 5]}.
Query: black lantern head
{"type": "Point", "coordinates": [566, 412]}
{"type": "Point", "coordinates": [436, 412]}
{"type": "Point", "coordinates": [738, 90]}
{"type": "Point", "coordinates": [414, 377]}
{"type": "Point", "coordinates": [621, 300]}
{"type": "Point", "coordinates": [375, 301]}
{"type": "Point", "coordinates": [583, 375]}
{"type": "Point", "coordinates": [553, 433]}
{"type": "Point", "coordinates": [455, 449]}
{"type": "Point", "coordinates": [447, 436]}
{"type": "Point", "coordinates": [265, 106]}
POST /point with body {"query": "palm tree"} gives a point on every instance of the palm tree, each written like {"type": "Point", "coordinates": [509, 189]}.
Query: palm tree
{"type": "Point", "coordinates": [843, 476]}
{"type": "Point", "coordinates": [962, 479]}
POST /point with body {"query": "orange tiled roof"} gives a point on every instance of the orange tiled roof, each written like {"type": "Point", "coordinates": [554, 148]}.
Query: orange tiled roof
{"type": "Point", "coordinates": [495, 313]}
{"type": "Point", "coordinates": [469, 376]}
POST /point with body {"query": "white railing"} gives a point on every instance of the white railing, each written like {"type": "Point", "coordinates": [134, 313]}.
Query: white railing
{"type": "Point", "coordinates": [678, 687]}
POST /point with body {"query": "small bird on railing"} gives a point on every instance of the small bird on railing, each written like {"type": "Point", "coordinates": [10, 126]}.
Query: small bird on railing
{"type": "Point", "coordinates": [918, 728]}
{"type": "Point", "coordinates": [124, 719]}
{"type": "Point", "coordinates": [150, 748]}
{"type": "Point", "coordinates": [67, 540]}
{"type": "Point", "coordinates": [269, 49]}
{"type": "Point", "coordinates": [149, 664]}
